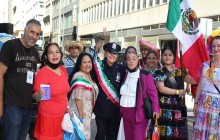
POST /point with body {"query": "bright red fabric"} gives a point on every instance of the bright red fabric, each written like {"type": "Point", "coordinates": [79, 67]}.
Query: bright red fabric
{"type": "Point", "coordinates": [194, 57]}
{"type": "Point", "coordinates": [48, 128]}
{"type": "Point", "coordinates": [54, 108]}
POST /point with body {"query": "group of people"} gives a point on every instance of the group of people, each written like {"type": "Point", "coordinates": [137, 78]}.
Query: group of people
{"type": "Point", "coordinates": [113, 91]}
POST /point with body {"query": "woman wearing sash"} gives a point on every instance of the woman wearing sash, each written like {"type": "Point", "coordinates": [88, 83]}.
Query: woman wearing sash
{"type": "Point", "coordinates": [83, 91]}
{"type": "Point", "coordinates": [173, 120]}
{"type": "Point", "coordinates": [207, 101]}
{"type": "Point", "coordinates": [110, 75]}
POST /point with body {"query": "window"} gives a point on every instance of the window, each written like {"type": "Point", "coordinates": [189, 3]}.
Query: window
{"type": "Point", "coordinates": [151, 3]}
{"type": "Point", "coordinates": [123, 7]}
{"type": "Point", "coordinates": [164, 1]}
{"type": "Point", "coordinates": [114, 6]}
{"type": "Point", "coordinates": [138, 5]}
{"type": "Point", "coordinates": [101, 11]}
{"type": "Point", "coordinates": [157, 2]}
{"type": "Point", "coordinates": [128, 5]}
{"type": "Point", "coordinates": [144, 4]}
{"type": "Point", "coordinates": [110, 8]}
{"type": "Point", "coordinates": [133, 5]}
{"type": "Point", "coordinates": [107, 9]}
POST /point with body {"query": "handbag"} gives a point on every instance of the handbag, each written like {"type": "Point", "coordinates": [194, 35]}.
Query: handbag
{"type": "Point", "coordinates": [156, 132]}
{"type": "Point", "coordinates": [147, 104]}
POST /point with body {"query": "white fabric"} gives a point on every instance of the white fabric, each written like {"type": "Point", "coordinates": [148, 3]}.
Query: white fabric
{"type": "Point", "coordinates": [121, 132]}
{"type": "Point", "coordinates": [128, 89]}
{"type": "Point", "coordinates": [67, 124]}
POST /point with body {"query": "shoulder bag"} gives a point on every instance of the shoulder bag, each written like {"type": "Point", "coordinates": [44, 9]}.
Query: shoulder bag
{"type": "Point", "coordinates": [147, 103]}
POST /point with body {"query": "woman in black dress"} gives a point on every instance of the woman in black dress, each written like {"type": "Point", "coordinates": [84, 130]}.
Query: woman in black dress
{"type": "Point", "coordinates": [173, 120]}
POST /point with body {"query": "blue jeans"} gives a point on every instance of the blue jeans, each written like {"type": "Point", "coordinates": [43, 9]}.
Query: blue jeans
{"type": "Point", "coordinates": [16, 122]}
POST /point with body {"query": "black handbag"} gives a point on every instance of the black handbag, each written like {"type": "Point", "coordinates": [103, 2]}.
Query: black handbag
{"type": "Point", "coordinates": [148, 111]}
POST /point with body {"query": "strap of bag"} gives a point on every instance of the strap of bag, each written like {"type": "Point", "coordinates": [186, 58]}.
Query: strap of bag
{"type": "Point", "coordinates": [170, 77]}
{"type": "Point", "coordinates": [210, 65]}
{"type": "Point", "coordinates": [142, 86]}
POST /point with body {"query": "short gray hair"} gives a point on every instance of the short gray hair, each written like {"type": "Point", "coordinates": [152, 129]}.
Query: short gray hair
{"type": "Point", "coordinates": [33, 21]}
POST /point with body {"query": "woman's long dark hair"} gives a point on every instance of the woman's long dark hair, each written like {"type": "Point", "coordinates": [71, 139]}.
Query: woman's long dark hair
{"type": "Point", "coordinates": [44, 54]}
{"type": "Point", "coordinates": [78, 64]}
{"type": "Point", "coordinates": [162, 52]}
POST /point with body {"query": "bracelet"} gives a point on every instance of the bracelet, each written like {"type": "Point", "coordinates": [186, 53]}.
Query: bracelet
{"type": "Point", "coordinates": [196, 103]}
{"type": "Point", "coordinates": [39, 98]}
{"type": "Point", "coordinates": [101, 38]}
{"type": "Point", "coordinates": [177, 92]}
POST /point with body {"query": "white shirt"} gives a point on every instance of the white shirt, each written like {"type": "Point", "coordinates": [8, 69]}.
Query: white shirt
{"type": "Point", "coordinates": [128, 89]}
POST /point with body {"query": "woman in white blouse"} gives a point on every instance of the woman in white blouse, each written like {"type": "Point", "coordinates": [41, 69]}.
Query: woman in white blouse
{"type": "Point", "coordinates": [131, 101]}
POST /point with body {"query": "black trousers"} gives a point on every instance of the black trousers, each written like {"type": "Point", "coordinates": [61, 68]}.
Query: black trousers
{"type": "Point", "coordinates": [107, 128]}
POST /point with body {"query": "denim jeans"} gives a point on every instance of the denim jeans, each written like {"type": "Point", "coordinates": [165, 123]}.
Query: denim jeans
{"type": "Point", "coordinates": [16, 122]}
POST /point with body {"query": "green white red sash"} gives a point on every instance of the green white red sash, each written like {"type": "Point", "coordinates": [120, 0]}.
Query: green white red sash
{"type": "Point", "coordinates": [82, 83]}
{"type": "Point", "coordinates": [107, 87]}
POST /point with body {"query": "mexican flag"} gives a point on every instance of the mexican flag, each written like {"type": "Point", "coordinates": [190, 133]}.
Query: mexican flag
{"type": "Point", "coordinates": [183, 23]}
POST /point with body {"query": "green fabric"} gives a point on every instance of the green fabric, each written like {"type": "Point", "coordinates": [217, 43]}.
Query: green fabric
{"type": "Point", "coordinates": [174, 14]}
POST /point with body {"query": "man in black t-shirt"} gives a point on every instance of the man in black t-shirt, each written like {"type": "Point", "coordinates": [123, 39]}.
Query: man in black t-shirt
{"type": "Point", "coordinates": [18, 62]}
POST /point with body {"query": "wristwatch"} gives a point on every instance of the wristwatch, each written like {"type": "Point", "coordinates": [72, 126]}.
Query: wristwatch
{"type": "Point", "coordinates": [101, 38]}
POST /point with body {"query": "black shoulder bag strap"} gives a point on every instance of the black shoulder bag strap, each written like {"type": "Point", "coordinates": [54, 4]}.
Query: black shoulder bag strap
{"type": "Point", "coordinates": [210, 65]}
{"type": "Point", "coordinates": [147, 102]}
{"type": "Point", "coordinates": [142, 86]}
{"type": "Point", "coordinates": [170, 77]}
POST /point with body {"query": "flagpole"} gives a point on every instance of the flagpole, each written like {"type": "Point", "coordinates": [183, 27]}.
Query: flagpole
{"type": "Point", "coordinates": [182, 69]}
{"type": "Point", "coordinates": [181, 63]}
{"type": "Point", "coordinates": [182, 77]}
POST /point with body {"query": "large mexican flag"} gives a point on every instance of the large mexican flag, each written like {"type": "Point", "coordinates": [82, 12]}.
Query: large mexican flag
{"type": "Point", "coordinates": [183, 23]}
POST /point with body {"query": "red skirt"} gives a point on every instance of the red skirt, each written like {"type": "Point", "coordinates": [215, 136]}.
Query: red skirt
{"type": "Point", "coordinates": [48, 128]}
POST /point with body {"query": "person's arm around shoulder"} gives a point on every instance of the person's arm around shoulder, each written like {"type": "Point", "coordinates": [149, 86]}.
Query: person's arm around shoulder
{"type": "Point", "coordinates": [3, 69]}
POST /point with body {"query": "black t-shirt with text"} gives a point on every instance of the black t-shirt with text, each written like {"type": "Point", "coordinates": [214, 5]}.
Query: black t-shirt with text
{"type": "Point", "coordinates": [19, 60]}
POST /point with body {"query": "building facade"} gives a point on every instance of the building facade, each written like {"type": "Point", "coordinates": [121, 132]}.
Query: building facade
{"type": "Point", "coordinates": [64, 19]}
{"type": "Point", "coordinates": [132, 20]}
{"type": "Point", "coordinates": [47, 34]}
{"type": "Point", "coordinates": [24, 10]}
{"type": "Point", "coordinates": [6, 10]}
